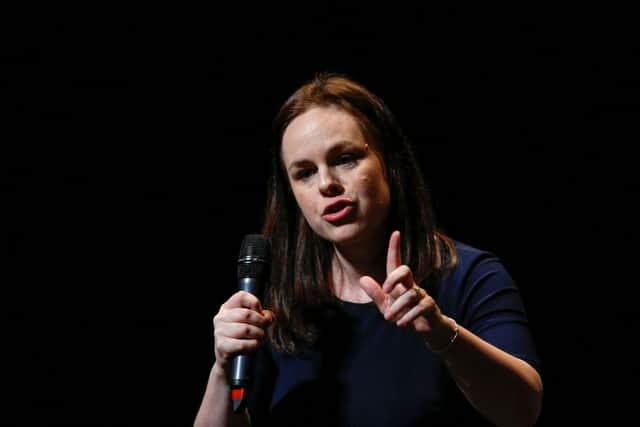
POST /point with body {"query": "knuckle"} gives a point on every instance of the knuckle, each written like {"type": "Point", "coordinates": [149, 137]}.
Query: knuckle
{"type": "Point", "coordinates": [247, 345]}
{"type": "Point", "coordinates": [404, 270]}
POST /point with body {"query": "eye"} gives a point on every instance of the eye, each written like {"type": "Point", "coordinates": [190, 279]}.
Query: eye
{"type": "Point", "coordinates": [302, 174]}
{"type": "Point", "coordinates": [346, 159]}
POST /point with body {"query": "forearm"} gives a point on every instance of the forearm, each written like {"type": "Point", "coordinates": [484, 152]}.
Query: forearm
{"type": "Point", "coordinates": [505, 389]}
{"type": "Point", "coordinates": [216, 407]}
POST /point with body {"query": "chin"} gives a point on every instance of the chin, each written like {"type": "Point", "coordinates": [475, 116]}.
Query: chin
{"type": "Point", "coordinates": [344, 234]}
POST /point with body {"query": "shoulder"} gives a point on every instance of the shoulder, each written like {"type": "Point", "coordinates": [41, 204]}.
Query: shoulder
{"type": "Point", "coordinates": [478, 277]}
{"type": "Point", "coordinates": [472, 259]}
{"type": "Point", "coordinates": [483, 297]}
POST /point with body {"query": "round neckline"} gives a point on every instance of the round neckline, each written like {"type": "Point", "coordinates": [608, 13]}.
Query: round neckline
{"type": "Point", "coordinates": [358, 304]}
{"type": "Point", "coordinates": [357, 307]}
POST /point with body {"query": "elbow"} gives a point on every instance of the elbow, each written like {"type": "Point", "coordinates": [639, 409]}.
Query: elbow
{"type": "Point", "coordinates": [530, 402]}
{"type": "Point", "coordinates": [537, 392]}
{"type": "Point", "coordinates": [524, 404]}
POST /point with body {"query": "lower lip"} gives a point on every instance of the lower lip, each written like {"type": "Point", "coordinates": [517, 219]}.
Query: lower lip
{"type": "Point", "coordinates": [337, 216]}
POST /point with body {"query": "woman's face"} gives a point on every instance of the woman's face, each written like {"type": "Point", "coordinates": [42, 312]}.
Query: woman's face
{"type": "Point", "coordinates": [336, 177]}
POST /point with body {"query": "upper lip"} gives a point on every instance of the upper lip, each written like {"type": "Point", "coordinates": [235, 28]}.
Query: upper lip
{"type": "Point", "coordinates": [336, 206]}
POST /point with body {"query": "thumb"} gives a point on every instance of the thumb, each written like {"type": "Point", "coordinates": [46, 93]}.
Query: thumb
{"type": "Point", "coordinates": [269, 316]}
{"type": "Point", "coordinates": [374, 290]}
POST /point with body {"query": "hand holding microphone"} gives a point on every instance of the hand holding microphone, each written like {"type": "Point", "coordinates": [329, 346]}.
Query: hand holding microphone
{"type": "Point", "coordinates": [240, 323]}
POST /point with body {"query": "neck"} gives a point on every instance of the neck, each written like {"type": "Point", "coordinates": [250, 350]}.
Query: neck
{"type": "Point", "coordinates": [348, 266]}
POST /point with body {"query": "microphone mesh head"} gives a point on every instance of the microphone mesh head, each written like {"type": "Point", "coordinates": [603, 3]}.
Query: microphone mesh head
{"type": "Point", "coordinates": [255, 256]}
{"type": "Point", "coordinates": [255, 246]}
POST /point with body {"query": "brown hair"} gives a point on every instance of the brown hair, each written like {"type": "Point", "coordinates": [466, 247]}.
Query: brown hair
{"type": "Point", "coordinates": [300, 259]}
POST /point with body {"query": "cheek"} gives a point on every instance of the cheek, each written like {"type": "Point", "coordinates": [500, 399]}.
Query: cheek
{"type": "Point", "coordinates": [383, 198]}
{"type": "Point", "coordinates": [375, 187]}
{"type": "Point", "coordinates": [303, 202]}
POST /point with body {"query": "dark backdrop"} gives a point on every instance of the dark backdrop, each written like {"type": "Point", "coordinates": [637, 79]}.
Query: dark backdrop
{"type": "Point", "coordinates": [135, 152]}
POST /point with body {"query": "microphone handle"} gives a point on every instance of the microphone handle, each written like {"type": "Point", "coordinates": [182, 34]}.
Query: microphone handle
{"type": "Point", "coordinates": [241, 363]}
{"type": "Point", "coordinates": [240, 367]}
{"type": "Point", "coordinates": [251, 285]}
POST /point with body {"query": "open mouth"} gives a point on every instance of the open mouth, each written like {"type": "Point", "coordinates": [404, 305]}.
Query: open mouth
{"type": "Point", "coordinates": [337, 211]}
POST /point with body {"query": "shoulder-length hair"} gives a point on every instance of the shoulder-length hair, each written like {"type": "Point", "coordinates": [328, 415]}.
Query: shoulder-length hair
{"type": "Point", "coordinates": [300, 290]}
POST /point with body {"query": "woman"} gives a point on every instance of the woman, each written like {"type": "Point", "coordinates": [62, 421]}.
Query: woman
{"type": "Point", "coordinates": [360, 327]}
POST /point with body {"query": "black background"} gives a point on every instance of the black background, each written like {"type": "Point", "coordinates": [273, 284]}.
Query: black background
{"type": "Point", "coordinates": [135, 152]}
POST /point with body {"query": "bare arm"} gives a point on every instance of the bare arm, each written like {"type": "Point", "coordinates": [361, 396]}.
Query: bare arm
{"type": "Point", "coordinates": [238, 327]}
{"type": "Point", "coordinates": [216, 407]}
{"type": "Point", "coordinates": [504, 389]}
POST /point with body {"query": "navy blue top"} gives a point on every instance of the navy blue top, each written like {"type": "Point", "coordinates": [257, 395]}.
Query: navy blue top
{"type": "Point", "coordinates": [365, 371]}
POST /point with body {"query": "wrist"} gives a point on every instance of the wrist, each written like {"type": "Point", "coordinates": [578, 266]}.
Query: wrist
{"type": "Point", "coordinates": [446, 339]}
{"type": "Point", "coordinates": [218, 370]}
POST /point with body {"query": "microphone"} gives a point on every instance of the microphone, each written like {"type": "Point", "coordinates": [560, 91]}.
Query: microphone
{"type": "Point", "coordinates": [254, 267]}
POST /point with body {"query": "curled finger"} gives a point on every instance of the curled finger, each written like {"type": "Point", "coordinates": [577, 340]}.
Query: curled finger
{"type": "Point", "coordinates": [418, 310]}
{"type": "Point", "coordinates": [240, 331]}
{"type": "Point", "coordinates": [245, 315]}
{"type": "Point", "coordinates": [401, 305]}
{"type": "Point", "coordinates": [243, 299]}
{"type": "Point", "coordinates": [400, 276]}
{"type": "Point", "coordinates": [425, 306]}
{"type": "Point", "coordinates": [228, 347]}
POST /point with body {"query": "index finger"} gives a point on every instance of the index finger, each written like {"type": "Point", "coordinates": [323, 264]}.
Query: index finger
{"type": "Point", "coordinates": [244, 299]}
{"type": "Point", "coordinates": [393, 252]}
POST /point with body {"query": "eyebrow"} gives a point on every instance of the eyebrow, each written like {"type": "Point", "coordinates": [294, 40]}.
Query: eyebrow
{"type": "Point", "coordinates": [337, 146]}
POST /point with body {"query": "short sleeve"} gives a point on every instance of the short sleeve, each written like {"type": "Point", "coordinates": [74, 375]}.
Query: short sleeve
{"type": "Point", "coordinates": [483, 297]}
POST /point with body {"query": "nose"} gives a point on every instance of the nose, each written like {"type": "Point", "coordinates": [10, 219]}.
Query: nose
{"type": "Point", "coordinates": [329, 184]}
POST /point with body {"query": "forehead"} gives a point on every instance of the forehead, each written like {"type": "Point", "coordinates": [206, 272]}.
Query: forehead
{"type": "Point", "coordinates": [320, 126]}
